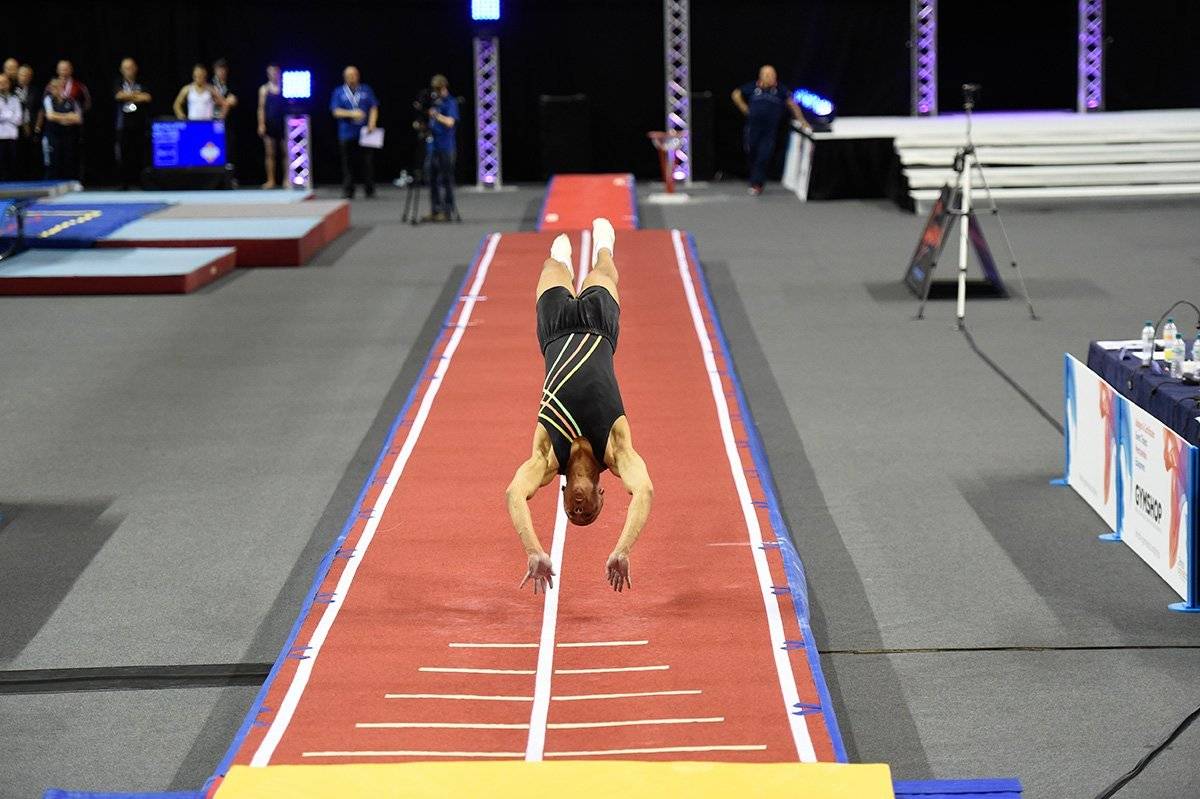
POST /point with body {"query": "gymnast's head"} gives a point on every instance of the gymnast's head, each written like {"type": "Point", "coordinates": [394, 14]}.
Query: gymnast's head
{"type": "Point", "coordinates": [583, 498]}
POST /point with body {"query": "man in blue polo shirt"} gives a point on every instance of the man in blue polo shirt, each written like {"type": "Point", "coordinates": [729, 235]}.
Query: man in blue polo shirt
{"type": "Point", "coordinates": [355, 108]}
{"type": "Point", "coordinates": [443, 149]}
{"type": "Point", "coordinates": [764, 103]}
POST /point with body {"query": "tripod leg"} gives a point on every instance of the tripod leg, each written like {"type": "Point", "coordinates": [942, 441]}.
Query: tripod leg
{"type": "Point", "coordinates": [1012, 257]}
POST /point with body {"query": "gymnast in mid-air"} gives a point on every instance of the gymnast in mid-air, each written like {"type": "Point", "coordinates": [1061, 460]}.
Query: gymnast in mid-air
{"type": "Point", "coordinates": [581, 427]}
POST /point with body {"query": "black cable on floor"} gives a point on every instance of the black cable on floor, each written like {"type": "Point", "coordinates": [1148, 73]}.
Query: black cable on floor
{"type": "Point", "coordinates": [1145, 761]}
{"type": "Point", "coordinates": [132, 678]}
{"type": "Point", "coordinates": [1016, 386]}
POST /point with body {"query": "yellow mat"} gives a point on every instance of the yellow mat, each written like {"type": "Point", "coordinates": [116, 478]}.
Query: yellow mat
{"type": "Point", "coordinates": [573, 779]}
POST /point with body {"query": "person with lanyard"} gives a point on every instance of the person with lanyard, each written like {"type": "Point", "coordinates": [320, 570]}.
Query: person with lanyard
{"type": "Point", "coordinates": [73, 89]}
{"type": "Point", "coordinates": [271, 108]}
{"type": "Point", "coordinates": [440, 157]}
{"type": "Point", "coordinates": [201, 97]}
{"type": "Point", "coordinates": [229, 100]}
{"type": "Point", "coordinates": [133, 103]}
{"type": "Point", "coordinates": [29, 146]}
{"type": "Point", "coordinates": [11, 118]}
{"type": "Point", "coordinates": [81, 101]}
{"type": "Point", "coordinates": [355, 108]}
{"type": "Point", "coordinates": [64, 118]}
{"type": "Point", "coordinates": [763, 103]}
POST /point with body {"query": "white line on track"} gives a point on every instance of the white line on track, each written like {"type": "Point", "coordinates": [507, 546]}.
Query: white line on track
{"type": "Point", "coordinates": [588, 725]}
{"type": "Point", "coordinates": [435, 725]}
{"type": "Point", "coordinates": [536, 742]}
{"type": "Point", "coordinates": [449, 670]}
{"type": "Point", "coordinates": [465, 697]}
{"type": "Point", "coordinates": [783, 665]}
{"type": "Point", "coordinates": [659, 750]}
{"type": "Point", "coordinates": [411, 753]}
{"type": "Point", "coordinates": [601, 643]}
{"type": "Point", "coordinates": [579, 697]}
{"type": "Point", "coordinates": [612, 670]}
{"type": "Point", "coordinates": [287, 707]}
{"type": "Point", "coordinates": [524, 645]}
{"type": "Point", "coordinates": [585, 258]}
{"type": "Point", "coordinates": [458, 645]}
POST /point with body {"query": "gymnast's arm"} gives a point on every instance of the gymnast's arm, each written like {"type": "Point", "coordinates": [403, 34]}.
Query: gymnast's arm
{"type": "Point", "coordinates": [633, 473]}
{"type": "Point", "coordinates": [531, 475]}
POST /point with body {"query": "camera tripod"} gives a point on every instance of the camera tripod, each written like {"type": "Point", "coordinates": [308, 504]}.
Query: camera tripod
{"type": "Point", "coordinates": [966, 161]}
{"type": "Point", "coordinates": [418, 181]}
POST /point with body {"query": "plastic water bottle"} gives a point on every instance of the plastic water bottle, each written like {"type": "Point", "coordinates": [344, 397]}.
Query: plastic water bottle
{"type": "Point", "coordinates": [1170, 334]}
{"type": "Point", "coordinates": [1196, 347]}
{"type": "Point", "coordinates": [1180, 355]}
{"type": "Point", "coordinates": [1148, 342]}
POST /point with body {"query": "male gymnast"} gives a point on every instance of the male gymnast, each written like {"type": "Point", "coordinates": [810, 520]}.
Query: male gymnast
{"type": "Point", "coordinates": [581, 426]}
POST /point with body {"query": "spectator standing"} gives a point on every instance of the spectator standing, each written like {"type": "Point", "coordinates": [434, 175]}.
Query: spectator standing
{"type": "Point", "coordinates": [11, 119]}
{"type": "Point", "coordinates": [30, 164]}
{"type": "Point", "coordinates": [64, 118]}
{"type": "Point", "coordinates": [355, 108]}
{"type": "Point", "coordinates": [11, 68]}
{"type": "Point", "coordinates": [763, 102]}
{"type": "Point", "coordinates": [229, 101]}
{"type": "Point", "coordinates": [443, 118]}
{"type": "Point", "coordinates": [81, 99]}
{"type": "Point", "coordinates": [271, 108]}
{"type": "Point", "coordinates": [133, 103]}
{"type": "Point", "coordinates": [200, 95]}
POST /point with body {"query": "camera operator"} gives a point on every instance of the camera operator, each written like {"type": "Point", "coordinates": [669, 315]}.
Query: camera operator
{"type": "Point", "coordinates": [440, 157]}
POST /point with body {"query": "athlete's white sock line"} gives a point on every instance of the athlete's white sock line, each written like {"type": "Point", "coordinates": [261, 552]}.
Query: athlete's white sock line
{"type": "Point", "coordinates": [287, 707]}
{"type": "Point", "coordinates": [783, 665]}
{"type": "Point", "coordinates": [536, 743]}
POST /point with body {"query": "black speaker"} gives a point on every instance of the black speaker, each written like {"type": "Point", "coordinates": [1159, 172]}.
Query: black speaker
{"type": "Point", "coordinates": [566, 134]}
{"type": "Point", "coordinates": [704, 150]}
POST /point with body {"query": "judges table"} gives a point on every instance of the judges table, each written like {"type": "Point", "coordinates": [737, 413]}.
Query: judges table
{"type": "Point", "coordinates": [1131, 439]}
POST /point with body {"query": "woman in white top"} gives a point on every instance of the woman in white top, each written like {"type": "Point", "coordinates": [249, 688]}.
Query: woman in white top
{"type": "Point", "coordinates": [201, 96]}
{"type": "Point", "coordinates": [11, 118]}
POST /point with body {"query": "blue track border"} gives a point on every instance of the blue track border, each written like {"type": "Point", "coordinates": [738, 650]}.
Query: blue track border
{"type": "Point", "coordinates": [327, 561]}
{"type": "Point", "coordinates": [791, 558]}
{"type": "Point", "coordinates": [545, 199]}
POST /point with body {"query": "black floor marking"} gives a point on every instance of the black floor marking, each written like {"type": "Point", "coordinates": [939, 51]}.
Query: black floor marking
{"type": "Point", "coordinates": [131, 678]}
{"type": "Point", "coordinates": [1025, 395]}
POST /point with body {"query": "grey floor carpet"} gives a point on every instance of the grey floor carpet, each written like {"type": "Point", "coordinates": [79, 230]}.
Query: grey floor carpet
{"type": "Point", "coordinates": [172, 468]}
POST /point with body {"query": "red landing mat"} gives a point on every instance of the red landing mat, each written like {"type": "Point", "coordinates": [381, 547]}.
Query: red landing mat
{"type": "Point", "coordinates": [418, 644]}
{"type": "Point", "coordinates": [573, 201]}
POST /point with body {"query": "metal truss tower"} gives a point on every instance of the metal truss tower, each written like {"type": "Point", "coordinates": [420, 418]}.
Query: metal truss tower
{"type": "Point", "coordinates": [487, 112]}
{"type": "Point", "coordinates": [924, 58]}
{"type": "Point", "coordinates": [1090, 95]}
{"type": "Point", "coordinates": [676, 38]}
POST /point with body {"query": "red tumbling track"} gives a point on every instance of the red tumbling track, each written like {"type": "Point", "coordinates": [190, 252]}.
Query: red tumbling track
{"type": "Point", "coordinates": [573, 201]}
{"type": "Point", "coordinates": [442, 563]}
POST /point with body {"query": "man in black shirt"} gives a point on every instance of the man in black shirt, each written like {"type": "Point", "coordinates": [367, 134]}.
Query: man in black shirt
{"type": "Point", "coordinates": [64, 118]}
{"type": "Point", "coordinates": [132, 111]}
{"type": "Point", "coordinates": [29, 142]}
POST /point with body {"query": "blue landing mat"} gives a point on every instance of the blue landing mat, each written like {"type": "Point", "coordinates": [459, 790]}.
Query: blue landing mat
{"type": "Point", "coordinates": [234, 197]}
{"type": "Point", "coordinates": [216, 229]}
{"type": "Point", "coordinates": [958, 789]}
{"type": "Point", "coordinates": [133, 262]}
{"type": "Point", "coordinates": [73, 226]}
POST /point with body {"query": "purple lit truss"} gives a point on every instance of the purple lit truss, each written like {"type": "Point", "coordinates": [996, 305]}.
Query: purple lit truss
{"type": "Point", "coordinates": [1091, 56]}
{"type": "Point", "coordinates": [487, 112]}
{"type": "Point", "coordinates": [297, 141]}
{"type": "Point", "coordinates": [679, 85]}
{"type": "Point", "coordinates": [924, 58]}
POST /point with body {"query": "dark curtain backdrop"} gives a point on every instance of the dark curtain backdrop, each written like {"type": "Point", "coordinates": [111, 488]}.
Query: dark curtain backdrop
{"type": "Point", "coordinates": [1022, 52]}
{"type": "Point", "coordinates": [1153, 59]}
{"type": "Point", "coordinates": [854, 51]}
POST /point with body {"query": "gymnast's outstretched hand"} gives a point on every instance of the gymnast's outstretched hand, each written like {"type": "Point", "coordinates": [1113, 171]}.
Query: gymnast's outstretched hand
{"type": "Point", "coordinates": [617, 571]}
{"type": "Point", "coordinates": [541, 570]}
